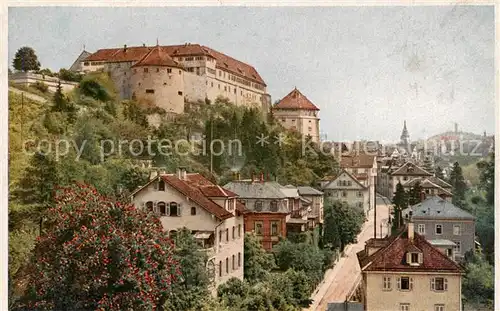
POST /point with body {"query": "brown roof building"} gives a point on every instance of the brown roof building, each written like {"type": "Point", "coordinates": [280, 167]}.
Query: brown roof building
{"type": "Point", "coordinates": [296, 112]}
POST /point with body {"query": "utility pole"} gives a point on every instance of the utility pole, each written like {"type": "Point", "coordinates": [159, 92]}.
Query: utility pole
{"type": "Point", "coordinates": [22, 115]}
{"type": "Point", "coordinates": [375, 211]}
{"type": "Point", "coordinates": [211, 139]}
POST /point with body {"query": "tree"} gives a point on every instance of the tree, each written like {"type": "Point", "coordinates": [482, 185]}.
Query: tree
{"type": "Point", "coordinates": [100, 254]}
{"type": "Point", "coordinates": [400, 202]}
{"type": "Point", "coordinates": [439, 173]}
{"type": "Point", "coordinates": [457, 181]}
{"type": "Point", "coordinates": [68, 75]}
{"type": "Point", "coordinates": [414, 194]}
{"type": "Point", "coordinates": [191, 289]}
{"type": "Point", "coordinates": [478, 283]}
{"type": "Point", "coordinates": [26, 60]}
{"type": "Point", "coordinates": [487, 177]}
{"type": "Point", "coordinates": [345, 222]}
{"type": "Point", "coordinates": [258, 262]}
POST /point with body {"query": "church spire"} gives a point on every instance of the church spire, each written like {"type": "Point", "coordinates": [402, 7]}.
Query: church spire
{"type": "Point", "coordinates": [404, 135]}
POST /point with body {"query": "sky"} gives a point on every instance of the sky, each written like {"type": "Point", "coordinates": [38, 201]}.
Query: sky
{"type": "Point", "coordinates": [367, 68]}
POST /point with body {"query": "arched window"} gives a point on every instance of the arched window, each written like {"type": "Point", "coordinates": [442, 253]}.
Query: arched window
{"type": "Point", "coordinates": [234, 228]}
{"type": "Point", "coordinates": [234, 263]}
{"type": "Point", "coordinates": [161, 185]}
{"type": "Point", "coordinates": [162, 207]}
{"type": "Point", "coordinates": [239, 259]}
{"type": "Point", "coordinates": [149, 206]}
{"type": "Point", "coordinates": [193, 210]}
{"type": "Point", "coordinates": [174, 209]}
{"type": "Point", "coordinates": [220, 268]}
{"type": "Point", "coordinates": [227, 265]}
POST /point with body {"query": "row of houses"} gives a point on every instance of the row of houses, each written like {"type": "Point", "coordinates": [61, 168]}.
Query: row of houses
{"type": "Point", "coordinates": [218, 217]}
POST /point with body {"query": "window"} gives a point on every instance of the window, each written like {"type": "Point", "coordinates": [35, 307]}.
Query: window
{"type": "Point", "coordinates": [218, 85]}
{"type": "Point", "coordinates": [162, 207]}
{"type": "Point", "coordinates": [258, 205]}
{"type": "Point", "coordinates": [145, 69]}
{"type": "Point", "coordinates": [438, 307]}
{"type": "Point", "coordinates": [234, 230]}
{"type": "Point", "coordinates": [234, 263]}
{"type": "Point", "coordinates": [174, 209]}
{"type": "Point", "coordinates": [349, 183]}
{"type": "Point", "coordinates": [225, 88]}
{"type": "Point", "coordinates": [449, 252]}
{"type": "Point", "coordinates": [405, 283]}
{"type": "Point", "coordinates": [227, 235]}
{"type": "Point", "coordinates": [258, 227]}
{"type": "Point", "coordinates": [344, 194]}
{"type": "Point", "coordinates": [387, 283]}
{"type": "Point", "coordinates": [421, 229]}
{"type": "Point", "coordinates": [360, 194]}
{"type": "Point", "coordinates": [227, 265]}
{"type": "Point", "coordinates": [180, 71]}
{"type": "Point", "coordinates": [404, 307]}
{"type": "Point", "coordinates": [239, 259]}
{"type": "Point", "coordinates": [457, 248]}
{"type": "Point", "coordinates": [274, 228]}
{"type": "Point", "coordinates": [149, 91]}
{"type": "Point", "coordinates": [309, 128]}
{"type": "Point", "coordinates": [220, 236]}
{"type": "Point", "coordinates": [239, 231]}
{"type": "Point", "coordinates": [293, 120]}
{"type": "Point", "coordinates": [220, 73]}
{"type": "Point", "coordinates": [439, 284]}
{"type": "Point", "coordinates": [456, 230]}
{"type": "Point", "coordinates": [193, 210]}
{"type": "Point", "coordinates": [85, 63]}
{"type": "Point", "coordinates": [234, 90]}
{"type": "Point", "coordinates": [414, 258]}
{"type": "Point", "coordinates": [169, 70]}
{"type": "Point", "coordinates": [439, 229]}
{"type": "Point", "coordinates": [135, 70]}
{"type": "Point", "coordinates": [157, 69]}
{"type": "Point", "coordinates": [274, 206]}
{"type": "Point", "coordinates": [149, 206]}
{"type": "Point", "coordinates": [405, 178]}
{"type": "Point", "coordinates": [212, 84]}
{"type": "Point", "coordinates": [283, 120]}
{"type": "Point", "coordinates": [241, 93]}
{"type": "Point", "coordinates": [220, 268]}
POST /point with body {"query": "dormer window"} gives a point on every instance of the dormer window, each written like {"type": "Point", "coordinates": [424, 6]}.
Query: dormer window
{"type": "Point", "coordinates": [161, 185]}
{"type": "Point", "coordinates": [274, 206]}
{"type": "Point", "coordinates": [414, 258]}
{"type": "Point", "coordinates": [258, 205]}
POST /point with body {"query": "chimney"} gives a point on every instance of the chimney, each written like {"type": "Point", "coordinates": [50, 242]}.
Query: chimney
{"type": "Point", "coordinates": [181, 172]}
{"type": "Point", "coordinates": [411, 227]}
{"type": "Point", "coordinates": [124, 48]}
{"type": "Point", "coordinates": [422, 196]}
{"type": "Point", "coordinates": [144, 44]}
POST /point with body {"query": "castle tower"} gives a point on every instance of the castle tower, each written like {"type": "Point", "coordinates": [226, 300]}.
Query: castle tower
{"type": "Point", "coordinates": [297, 112]}
{"type": "Point", "coordinates": [158, 80]}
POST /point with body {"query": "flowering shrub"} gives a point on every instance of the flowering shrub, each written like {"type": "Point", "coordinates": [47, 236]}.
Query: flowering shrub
{"type": "Point", "coordinates": [101, 255]}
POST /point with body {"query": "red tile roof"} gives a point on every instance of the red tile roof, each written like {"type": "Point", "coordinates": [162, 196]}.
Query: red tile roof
{"type": "Point", "coordinates": [197, 196]}
{"type": "Point", "coordinates": [410, 169]}
{"type": "Point", "coordinates": [295, 100]}
{"type": "Point", "coordinates": [392, 256]}
{"type": "Point", "coordinates": [157, 57]}
{"type": "Point", "coordinates": [235, 66]}
{"type": "Point", "coordinates": [222, 61]}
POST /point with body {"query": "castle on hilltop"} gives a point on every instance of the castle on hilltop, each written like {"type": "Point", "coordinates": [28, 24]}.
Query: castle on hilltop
{"type": "Point", "coordinates": [169, 76]}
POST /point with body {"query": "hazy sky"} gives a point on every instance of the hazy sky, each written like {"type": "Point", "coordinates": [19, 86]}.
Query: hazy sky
{"type": "Point", "coordinates": [366, 68]}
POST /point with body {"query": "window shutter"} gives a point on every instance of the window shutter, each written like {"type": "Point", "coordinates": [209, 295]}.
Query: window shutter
{"type": "Point", "coordinates": [433, 283]}
{"type": "Point", "coordinates": [408, 258]}
{"type": "Point", "coordinates": [445, 281]}
{"type": "Point", "coordinates": [168, 209]}
{"type": "Point", "coordinates": [399, 283]}
{"type": "Point", "coordinates": [388, 283]}
{"type": "Point", "coordinates": [411, 283]}
{"type": "Point", "coordinates": [420, 258]}
{"type": "Point", "coordinates": [179, 209]}
{"type": "Point", "coordinates": [155, 207]}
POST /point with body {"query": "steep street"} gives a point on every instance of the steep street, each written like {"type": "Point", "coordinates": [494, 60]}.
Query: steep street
{"type": "Point", "coordinates": [339, 281]}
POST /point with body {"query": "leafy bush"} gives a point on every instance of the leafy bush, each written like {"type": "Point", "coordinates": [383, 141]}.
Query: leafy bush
{"type": "Point", "coordinates": [42, 87]}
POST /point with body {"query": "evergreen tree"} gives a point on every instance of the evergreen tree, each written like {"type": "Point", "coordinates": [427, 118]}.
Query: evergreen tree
{"type": "Point", "coordinates": [414, 194]}
{"type": "Point", "coordinates": [487, 178]}
{"type": "Point", "coordinates": [26, 60]}
{"type": "Point", "coordinates": [457, 181]}
{"type": "Point", "coordinates": [439, 173]}
{"type": "Point", "coordinates": [400, 202]}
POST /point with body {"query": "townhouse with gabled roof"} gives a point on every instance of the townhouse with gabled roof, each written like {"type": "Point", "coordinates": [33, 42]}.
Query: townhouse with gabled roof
{"type": "Point", "coordinates": [347, 188]}
{"type": "Point", "coordinates": [405, 272]}
{"type": "Point", "coordinates": [296, 112]}
{"type": "Point", "coordinates": [166, 76]}
{"type": "Point", "coordinates": [431, 186]}
{"type": "Point", "coordinates": [315, 216]}
{"type": "Point", "coordinates": [443, 223]}
{"type": "Point", "coordinates": [393, 174]}
{"type": "Point", "coordinates": [212, 213]}
{"type": "Point", "coordinates": [364, 168]}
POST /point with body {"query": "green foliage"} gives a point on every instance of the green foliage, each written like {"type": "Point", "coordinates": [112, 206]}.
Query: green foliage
{"type": "Point", "coordinates": [68, 75]}
{"type": "Point", "coordinates": [98, 253]}
{"type": "Point", "coordinates": [457, 181]}
{"type": "Point", "coordinates": [400, 202]}
{"type": "Point", "coordinates": [26, 60]}
{"type": "Point", "coordinates": [21, 243]}
{"type": "Point", "coordinates": [487, 177]}
{"type": "Point", "coordinates": [258, 263]}
{"type": "Point", "coordinates": [479, 281]}
{"type": "Point", "coordinates": [414, 194]}
{"type": "Point", "coordinates": [42, 87]}
{"type": "Point", "coordinates": [342, 224]}
{"type": "Point", "coordinates": [439, 173]}
{"type": "Point", "coordinates": [190, 291]}
{"type": "Point", "coordinates": [46, 72]}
